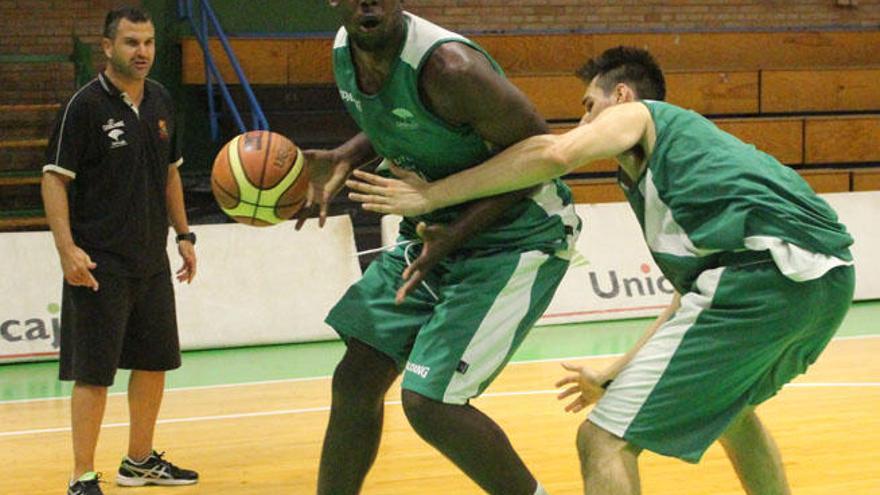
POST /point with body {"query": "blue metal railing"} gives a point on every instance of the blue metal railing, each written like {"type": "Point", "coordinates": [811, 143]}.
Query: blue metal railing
{"type": "Point", "coordinates": [212, 73]}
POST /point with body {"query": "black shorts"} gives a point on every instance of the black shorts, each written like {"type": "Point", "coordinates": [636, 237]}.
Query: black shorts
{"type": "Point", "coordinates": [129, 323]}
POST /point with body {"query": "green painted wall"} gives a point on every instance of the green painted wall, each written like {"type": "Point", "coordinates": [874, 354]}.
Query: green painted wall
{"type": "Point", "coordinates": [276, 16]}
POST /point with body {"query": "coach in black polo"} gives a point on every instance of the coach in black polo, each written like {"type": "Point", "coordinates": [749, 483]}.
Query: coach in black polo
{"type": "Point", "coordinates": [110, 188]}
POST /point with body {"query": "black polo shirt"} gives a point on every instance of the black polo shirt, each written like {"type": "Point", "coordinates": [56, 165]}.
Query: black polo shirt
{"type": "Point", "coordinates": [118, 157]}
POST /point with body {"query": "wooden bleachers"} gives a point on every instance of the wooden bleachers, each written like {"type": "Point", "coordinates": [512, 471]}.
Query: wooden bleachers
{"type": "Point", "coordinates": [307, 60]}
{"type": "Point", "coordinates": [23, 128]}
{"type": "Point", "coordinates": [820, 90]}
{"type": "Point", "coordinates": [781, 137]}
{"type": "Point", "coordinates": [810, 99]}
{"type": "Point", "coordinates": [866, 179]}
{"type": "Point", "coordinates": [842, 139]}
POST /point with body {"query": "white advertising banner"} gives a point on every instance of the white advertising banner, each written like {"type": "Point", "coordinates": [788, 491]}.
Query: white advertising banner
{"type": "Point", "coordinates": [860, 212]}
{"type": "Point", "coordinates": [617, 278]}
{"type": "Point", "coordinates": [253, 286]}
{"type": "Point", "coordinates": [274, 285]}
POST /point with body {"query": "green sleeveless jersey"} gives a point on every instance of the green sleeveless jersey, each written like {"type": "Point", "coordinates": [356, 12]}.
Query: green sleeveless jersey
{"type": "Point", "coordinates": [402, 129]}
{"type": "Point", "coordinates": [705, 195]}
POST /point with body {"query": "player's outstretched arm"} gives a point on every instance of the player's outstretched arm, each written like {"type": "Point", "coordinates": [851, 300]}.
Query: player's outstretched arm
{"type": "Point", "coordinates": [532, 161]}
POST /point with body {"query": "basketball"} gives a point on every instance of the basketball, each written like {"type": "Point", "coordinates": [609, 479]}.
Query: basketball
{"type": "Point", "coordinates": [258, 178]}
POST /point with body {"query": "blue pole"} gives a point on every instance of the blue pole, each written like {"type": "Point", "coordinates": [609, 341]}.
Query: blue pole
{"type": "Point", "coordinates": [209, 61]}
{"type": "Point", "coordinates": [209, 87]}
{"type": "Point", "coordinates": [260, 121]}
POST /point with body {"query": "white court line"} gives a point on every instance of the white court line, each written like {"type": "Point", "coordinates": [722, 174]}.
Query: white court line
{"type": "Point", "coordinates": [284, 412]}
{"type": "Point", "coordinates": [327, 377]}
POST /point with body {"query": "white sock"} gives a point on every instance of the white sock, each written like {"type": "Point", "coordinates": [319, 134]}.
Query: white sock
{"type": "Point", "coordinates": [540, 490]}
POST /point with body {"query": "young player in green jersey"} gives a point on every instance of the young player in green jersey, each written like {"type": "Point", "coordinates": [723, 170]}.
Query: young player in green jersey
{"type": "Point", "coordinates": [435, 102]}
{"type": "Point", "coordinates": [760, 264]}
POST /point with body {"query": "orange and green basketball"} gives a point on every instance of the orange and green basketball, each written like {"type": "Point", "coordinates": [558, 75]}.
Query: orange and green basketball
{"type": "Point", "coordinates": [259, 179]}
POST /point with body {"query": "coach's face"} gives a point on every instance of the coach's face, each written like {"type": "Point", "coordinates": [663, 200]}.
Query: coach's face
{"type": "Point", "coordinates": [132, 51]}
{"type": "Point", "coordinates": [371, 24]}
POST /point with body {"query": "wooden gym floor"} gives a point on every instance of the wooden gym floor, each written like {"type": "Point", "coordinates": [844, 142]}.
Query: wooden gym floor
{"type": "Point", "coordinates": [239, 418]}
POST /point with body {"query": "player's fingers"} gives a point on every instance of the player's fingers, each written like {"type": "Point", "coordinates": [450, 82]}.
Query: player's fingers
{"type": "Point", "coordinates": [91, 282]}
{"type": "Point", "coordinates": [566, 381]}
{"type": "Point", "coordinates": [302, 216]}
{"type": "Point", "coordinates": [310, 198]}
{"type": "Point", "coordinates": [366, 188]}
{"type": "Point", "coordinates": [568, 392]}
{"type": "Point", "coordinates": [571, 367]}
{"type": "Point", "coordinates": [324, 208]}
{"type": "Point", "coordinates": [371, 178]}
{"type": "Point", "coordinates": [408, 287]}
{"type": "Point", "coordinates": [366, 198]}
{"type": "Point", "coordinates": [376, 208]}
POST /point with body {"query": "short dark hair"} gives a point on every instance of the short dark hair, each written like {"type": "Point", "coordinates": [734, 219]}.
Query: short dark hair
{"type": "Point", "coordinates": [626, 64]}
{"type": "Point", "coordinates": [132, 14]}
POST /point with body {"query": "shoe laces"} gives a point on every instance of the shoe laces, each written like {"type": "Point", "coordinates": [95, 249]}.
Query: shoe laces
{"type": "Point", "coordinates": [159, 458]}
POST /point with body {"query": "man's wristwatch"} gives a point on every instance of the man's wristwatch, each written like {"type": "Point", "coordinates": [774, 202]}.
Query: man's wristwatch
{"type": "Point", "coordinates": [188, 236]}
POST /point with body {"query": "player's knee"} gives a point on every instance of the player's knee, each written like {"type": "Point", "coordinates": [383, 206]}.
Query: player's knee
{"type": "Point", "coordinates": [362, 376]}
{"type": "Point", "coordinates": [421, 412]}
{"type": "Point", "coordinates": [594, 442]}
{"type": "Point", "coordinates": [582, 440]}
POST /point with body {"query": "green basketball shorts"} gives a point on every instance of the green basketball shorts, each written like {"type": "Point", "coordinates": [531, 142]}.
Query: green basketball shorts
{"type": "Point", "coordinates": [454, 334]}
{"type": "Point", "coordinates": [739, 336]}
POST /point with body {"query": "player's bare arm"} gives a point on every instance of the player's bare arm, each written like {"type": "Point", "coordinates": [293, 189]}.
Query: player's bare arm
{"type": "Point", "coordinates": [588, 386]}
{"type": "Point", "coordinates": [613, 133]}
{"type": "Point", "coordinates": [461, 87]}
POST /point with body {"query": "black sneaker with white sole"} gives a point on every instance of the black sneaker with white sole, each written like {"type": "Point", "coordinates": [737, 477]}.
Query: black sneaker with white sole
{"type": "Point", "coordinates": [87, 484]}
{"type": "Point", "coordinates": [155, 470]}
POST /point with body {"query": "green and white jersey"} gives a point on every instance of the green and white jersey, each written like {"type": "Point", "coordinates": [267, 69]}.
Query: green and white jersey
{"type": "Point", "coordinates": [402, 129]}
{"type": "Point", "coordinates": [705, 195]}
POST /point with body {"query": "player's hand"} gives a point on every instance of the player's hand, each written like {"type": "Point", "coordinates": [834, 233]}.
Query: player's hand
{"type": "Point", "coordinates": [327, 174]}
{"type": "Point", "coordinates": [187, 272]}
{"type": "Point", "coordinates": [585, 383]}
{"type": "Point", "coordinates": [77, 267]}
{"type": "Point", "coordinates": [408, 195]}
{"type": "Point", "coordinates": [438, 242]}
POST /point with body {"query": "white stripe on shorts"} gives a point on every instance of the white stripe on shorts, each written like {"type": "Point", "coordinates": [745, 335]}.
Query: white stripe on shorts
{"type": "Point", "coordinates": [628, 392]}
{"type": "Point", "coordinates": [491, 344]}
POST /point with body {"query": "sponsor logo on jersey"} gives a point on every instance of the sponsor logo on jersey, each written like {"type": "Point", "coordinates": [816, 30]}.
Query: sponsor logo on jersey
{"type": "Point", "coordinates": [418, 369]}
{"type": "Point", "coordinates": [346, 96]}
{"type": "Point", "coordinates": [112, 124]}
{"type": "Point", "coordinates": [114, 131]}
{"type": "Point", "coordinates": [405, 118]}
{"type": "Point", "coordinates": [163, 130]}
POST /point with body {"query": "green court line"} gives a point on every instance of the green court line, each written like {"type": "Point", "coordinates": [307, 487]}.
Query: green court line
{"type": "Point", "coordinates": [23, 381]}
